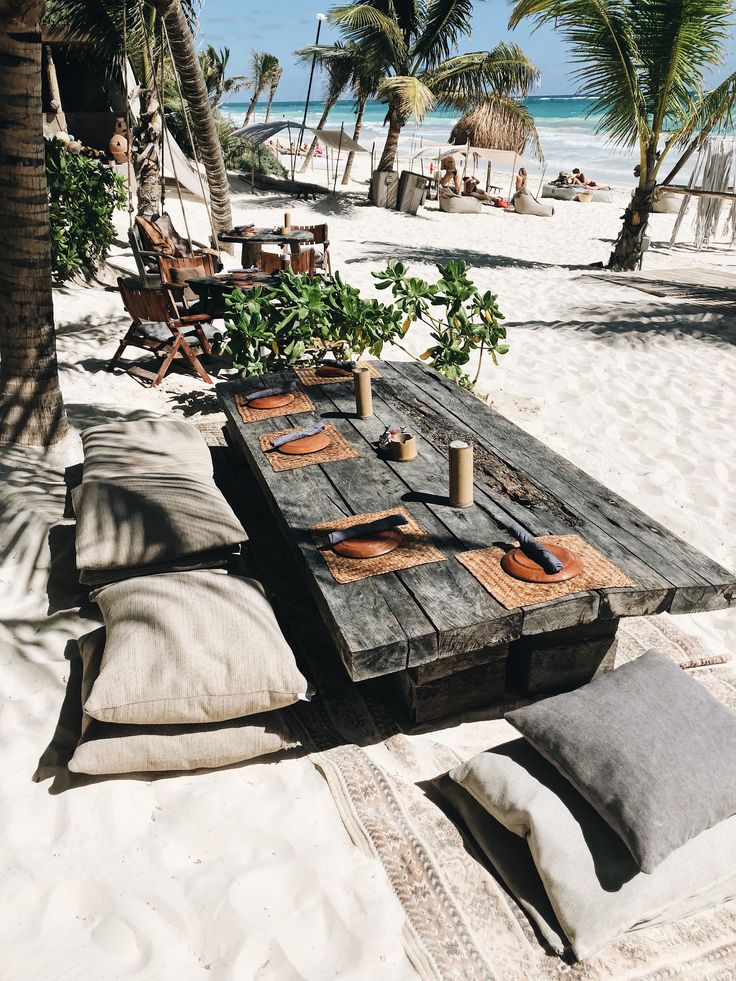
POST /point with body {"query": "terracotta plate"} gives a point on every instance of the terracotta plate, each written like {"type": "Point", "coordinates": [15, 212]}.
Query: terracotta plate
{"type": "Point", "coordinates": [271, 401]}
{"type": "Point", "coordinates": [328, 371]}
{"type": "Point", "coordinates": [369, 546]}
{"type": "Point", "coordinates": [520, 566]}
{"type": "Point", "coordinates": [308, 444]}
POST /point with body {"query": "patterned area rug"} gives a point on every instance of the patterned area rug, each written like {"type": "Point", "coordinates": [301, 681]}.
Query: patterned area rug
{"type": "Point", "coordinates": [460, 922]}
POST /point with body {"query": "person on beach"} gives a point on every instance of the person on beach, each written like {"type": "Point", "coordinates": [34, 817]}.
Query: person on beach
{"type": "Point", "coordinates": [521, 179]}
{"type": "Point", "coordinates": [471, 189]}
{"type": "Point", "coordinates": [450, 174]}
{"type": "Point", "coordinates": [578, 177]}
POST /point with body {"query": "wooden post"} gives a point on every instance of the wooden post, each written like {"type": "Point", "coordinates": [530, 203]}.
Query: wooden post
{"type": "Point", "coordinates": [54, 88]}
{"type": "Point", "coordinates": [513, 171]}
{"type": "Point", "coordinates": [541, 180]}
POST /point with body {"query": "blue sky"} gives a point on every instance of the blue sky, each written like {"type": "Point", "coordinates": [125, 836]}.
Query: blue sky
{"type": "Point", "coordinates": [282, 26]}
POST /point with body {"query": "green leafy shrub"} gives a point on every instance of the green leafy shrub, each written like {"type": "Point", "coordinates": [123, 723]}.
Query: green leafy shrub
{"type": "Point", "coordinates": [269, 328]}
{"type": "Point", "coordinates": [83, 193]}
{"type": "Point", "coordinates": [469, 320]}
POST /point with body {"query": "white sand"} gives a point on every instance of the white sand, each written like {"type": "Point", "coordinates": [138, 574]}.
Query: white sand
{"type": "Point", "coordinates": [248, 873]}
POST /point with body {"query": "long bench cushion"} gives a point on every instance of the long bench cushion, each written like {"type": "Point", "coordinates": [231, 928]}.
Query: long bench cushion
{"type": "Point", "coordinates": [191, 647]}
{"type": "Point", "coordinates": [144, 446]}
{"type": "Point", "coordinates": [648, 747]}
{"type": "Point", "coordinates": [111, 748]}
{"type": "Point", "coordinates": [134, 523]}
{"type": "Point", "coordinates": [591, 882]}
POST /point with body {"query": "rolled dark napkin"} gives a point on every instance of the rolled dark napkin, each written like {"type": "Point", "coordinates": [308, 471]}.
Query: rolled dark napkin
{"type": "Point", "coordinates": [264, 393]}
{"type": "Point", "coordinates": [344, 365]}
{"type": "Point", "coordinates": [299, 434]}
{"type": "Point", "coordinates": [534, 549]}
{"type": "Point", "coordinates": [242, 228]}
{"type": "Point", "coordinates": [368, 528]}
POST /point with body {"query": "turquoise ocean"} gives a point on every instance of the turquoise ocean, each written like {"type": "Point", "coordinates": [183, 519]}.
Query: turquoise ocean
{"type": "Point", "coordinates": [566, 128]}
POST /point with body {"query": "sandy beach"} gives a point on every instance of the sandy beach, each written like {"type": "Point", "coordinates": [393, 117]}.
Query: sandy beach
{"type": "Point", "coordinates": [249, 872]}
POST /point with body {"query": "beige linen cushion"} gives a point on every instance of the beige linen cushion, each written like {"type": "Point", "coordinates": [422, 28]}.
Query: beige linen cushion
{"type": "Point", "coordinates": [191, 647]}
{"type": "Point", "coordinates": [105, 749]}
{"type": "Point", "coordinates": [591, 881]}
{"type": "Point", "coordinates": [145, 446]}
{"type": "Point", "coordinates": [144, 522]}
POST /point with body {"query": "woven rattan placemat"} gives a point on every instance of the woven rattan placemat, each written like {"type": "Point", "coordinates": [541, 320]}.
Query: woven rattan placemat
{"type": "Point", "coordinates": [339, 449]}
{"type": "Point", "coordinates": [308, 375]}
{"type": "Point", "coordinates": [301, 403]}
{"type": "Point", "coordinates": [598, 573]}
{"type": "Point", "coordinates": [415, 550]}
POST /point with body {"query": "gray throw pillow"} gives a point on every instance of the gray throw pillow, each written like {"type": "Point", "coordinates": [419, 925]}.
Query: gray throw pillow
{"type": "Point", "coordinates": [144, 446]}
{"type": "Point", "coordinates": [106, 749]}
{"type": "Point", "coordinates": [587, 882]}
{"type": "Point", "coordinates": [191, 647]}
{"type": "Point", "coordinates": [648, 746]}
{"type": "Point", "coordinates": [146, 521]}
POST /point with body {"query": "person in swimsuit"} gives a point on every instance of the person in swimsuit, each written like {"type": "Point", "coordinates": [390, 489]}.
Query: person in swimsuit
{"type": "Point", "coordinates": [450, 174]}
{"type": "Point", "coordinates": [521, 179]}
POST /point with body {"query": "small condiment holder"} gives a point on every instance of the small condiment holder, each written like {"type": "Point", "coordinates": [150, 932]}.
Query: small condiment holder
{"type": "Point", "coordinates": [286, 227]}
{"type": "Point", "coordinates": [398, 446]}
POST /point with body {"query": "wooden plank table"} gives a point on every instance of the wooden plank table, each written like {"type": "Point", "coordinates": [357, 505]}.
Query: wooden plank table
{"type": "Point", "coordinates": [443, 641]}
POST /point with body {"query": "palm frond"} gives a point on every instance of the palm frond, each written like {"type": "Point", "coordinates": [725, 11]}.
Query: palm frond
{"type": "Point", "coordinates": [465, 79]}
{"type": "Point", "coordinates": [711, 110]}
{"type": "Point", "coordinates": [446, 22]}
{"type": "Point", "coordinates": [408, 94]}
{"type": "Point", "coordinates": [378, 31]}
{"type": "Point", "coordinates": [603, 44]}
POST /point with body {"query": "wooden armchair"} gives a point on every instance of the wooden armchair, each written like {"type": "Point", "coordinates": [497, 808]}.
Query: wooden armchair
{"type": "Point", "coordinates": [322, 241]}
{"type": "Point", "coordinates": [173, 275]}
{"type": "Point", "coordinates": [157, 326]}
{"type": "Point", "coordinates": [301, 262]}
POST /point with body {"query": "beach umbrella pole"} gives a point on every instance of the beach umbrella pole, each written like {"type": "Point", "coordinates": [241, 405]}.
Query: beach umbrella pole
{"type": "Point", "coordinates": [541, 180]}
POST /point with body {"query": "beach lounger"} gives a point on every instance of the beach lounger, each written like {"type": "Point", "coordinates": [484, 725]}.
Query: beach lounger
{"type": "Point", "coordinates": [526, 204]}
{"type": "Point", "coordinates": [456, 204]}
{"type": "Point", "coordinates": [157, 326]}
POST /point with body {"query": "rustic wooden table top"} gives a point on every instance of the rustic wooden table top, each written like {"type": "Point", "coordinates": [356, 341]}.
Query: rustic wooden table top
{"type": "Point", "coordinates": [404, 619]}
{"type": "Point", "coordinates": [263, 236]}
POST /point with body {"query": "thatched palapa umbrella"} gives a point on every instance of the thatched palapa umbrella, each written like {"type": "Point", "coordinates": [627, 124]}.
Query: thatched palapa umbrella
{"type": "Point", "coordinates": [498, 123]}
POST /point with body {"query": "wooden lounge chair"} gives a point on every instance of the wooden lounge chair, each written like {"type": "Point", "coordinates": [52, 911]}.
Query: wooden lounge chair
{"type": "Point", "coordinates": [156, 236]}
{"type": "Point", "coordinates": [186, 300]}
{"type": "Point", "coordinates": [158, 327]}
{"type": "Point", "coordinates": [301, 262]}
{"type": "Point", "coordinates": [321, 234]}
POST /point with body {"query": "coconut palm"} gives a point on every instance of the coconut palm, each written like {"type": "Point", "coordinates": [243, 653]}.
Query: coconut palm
{"type": "Point", "coordinates": [276, 74]}
{"type": "Point", "coordinates": [413, 46]}
{"type": "Point", "coordinates": [263, 69]}
{"type": "Point", "coordinates": [643, 63]}
{"type": "Point", "coordinates": [338, 61]}
{"type": "Point", "coordinates": [101, 23]}
{"type": "Point", "coordinates": [214, 70]}
{"type": "Point", "coordinates": [31, 406]}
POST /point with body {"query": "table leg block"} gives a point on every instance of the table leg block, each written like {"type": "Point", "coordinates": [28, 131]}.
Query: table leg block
{"type": "Point", "coordinates": [448, 686]}
{"type": "Point", "coordinates": [562, 660]}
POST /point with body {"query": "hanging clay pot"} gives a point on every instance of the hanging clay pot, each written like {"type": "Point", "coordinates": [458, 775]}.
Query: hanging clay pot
{"type": "Point", "coordinates": [119, 148]}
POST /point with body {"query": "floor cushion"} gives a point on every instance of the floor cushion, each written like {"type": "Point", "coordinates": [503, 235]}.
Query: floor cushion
{"type": "Point", "coordinates": [144, 446]}
{"type": "Point", "coordinates": [138, 523]}
{"type": "Point", "coordinates": [107, 749]}
{"type": "Point", "coordinates": [191, 647]}
{"type": "Point", "coordinates": [648, 746]}
{"type": "Point", "coordinates": [591, 881]}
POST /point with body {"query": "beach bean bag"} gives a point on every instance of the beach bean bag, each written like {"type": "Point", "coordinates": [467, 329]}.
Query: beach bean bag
{"type": "Point", "coordinates": [666, 204]}
{"type": "Point", "coordinates": [108, 748]}
{"type": "Point", "coordinates": [526, 204]}
{"type": "Point", "coordinates": [560, 193]}
{"type": "Point", "coordinates": [456, 204]}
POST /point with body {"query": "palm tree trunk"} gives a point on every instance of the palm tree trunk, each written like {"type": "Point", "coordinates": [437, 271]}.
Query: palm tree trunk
{"type": "Point", "coordinates": [271, 94]}
{"type": "Point", "coordinates": [329, 106]}
{"type": "Point", "coordinates": [252, 105]}
{"type": "Point", "coordinates": [356, 134]}
{"type": "Point", "coordinates": [194, 89]}
{"type": "Point", "coordinates": [147, 161]}
{"type": "Point", "coordinates": [31, 407]}
{"type": "Point", "coordinates": [628, 250]}
{"type": "Point", "coordinates": [395, 124]}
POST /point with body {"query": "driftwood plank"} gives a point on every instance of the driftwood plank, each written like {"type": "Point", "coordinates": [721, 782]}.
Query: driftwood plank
{"type": "Point", "coordinates": [374, 622]}
{"type": "Point", "coordinates": [699, 583]}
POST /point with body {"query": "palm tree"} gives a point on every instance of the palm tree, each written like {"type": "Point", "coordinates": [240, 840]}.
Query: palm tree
{"type": "Point", "coordinates": [31, 406]}
{"type": "Point", "coordinates": [272, 86]}
{"type": "Point", "coordinates": [339, 63]}
{"type": "Point", "coordinates": [263, 69]}
{"type": "Point", "coordinates": [101, 23]}
{"type": "Point", "coordinates": [412, 45]}
{"type": "Point", "coordinates": [643, 62]}
{"type": "Point", "coordinates": [214, 70]}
